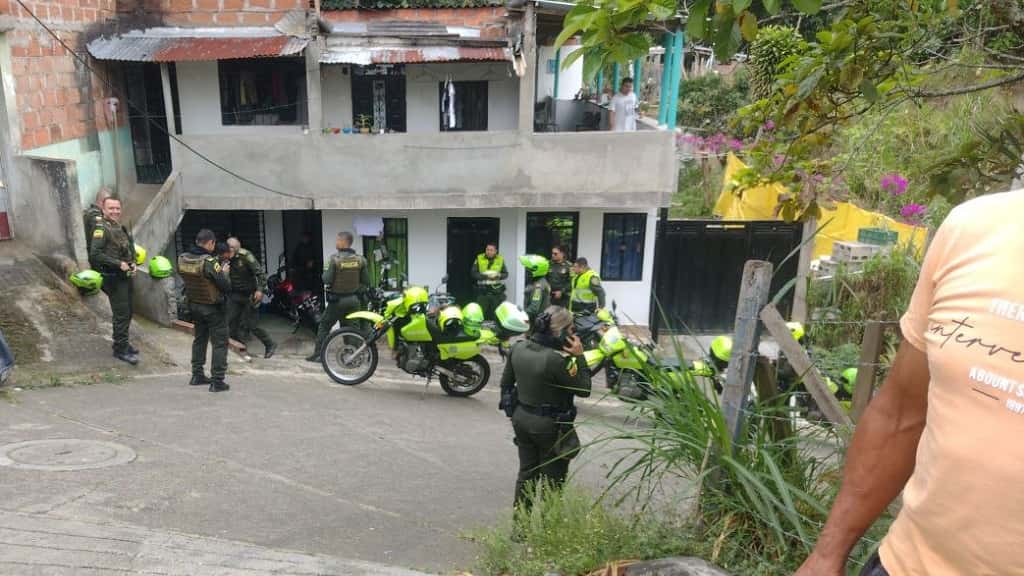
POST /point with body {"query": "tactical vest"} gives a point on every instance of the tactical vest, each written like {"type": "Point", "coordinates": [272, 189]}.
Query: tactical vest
{"type": "Point", "coordinates": [485, 265]}
{"type": "Point", "coordinates": [560, 276]}
{"type": "Point", "coordinates": [347, 270]}
{"type": "Point", "coordinates": [198, 288]}
{"type": "Point", "coordinates": [581, 291]}
{"type": "Point", "coordinates": [242, 278]}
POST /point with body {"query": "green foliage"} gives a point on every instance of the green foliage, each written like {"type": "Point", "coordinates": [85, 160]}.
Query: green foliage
{"type": "Point", "coordinates": [708, 102]}
{"type": "Point", "coordinates": [566, 532]}
{"type": "Point", "coordinates": [774, 45]}
{"type": "Point", "coordinates": [697, 189]}
{"type": "Point", "coordinates": [881, 291]}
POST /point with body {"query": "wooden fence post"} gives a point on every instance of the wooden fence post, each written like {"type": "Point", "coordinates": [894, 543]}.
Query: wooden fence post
{"type": "Point", "coordinates": [801, 362]}
{"type": "Point", "coordinates": [870, 353]}
{"type": "Point", "coordinates": [757, 281]}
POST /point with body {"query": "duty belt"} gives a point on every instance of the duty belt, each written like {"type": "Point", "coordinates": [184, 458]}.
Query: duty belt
{"type": "Point", "coordinates": [549, 411]}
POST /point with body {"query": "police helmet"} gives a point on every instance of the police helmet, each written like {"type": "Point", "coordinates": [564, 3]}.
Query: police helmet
{"type": "Point", "coordinates": [160, 267]}
{"type": "Point", "coordinates": [88, 282]}
{"type": "Point", "coordinates": [536, 264]}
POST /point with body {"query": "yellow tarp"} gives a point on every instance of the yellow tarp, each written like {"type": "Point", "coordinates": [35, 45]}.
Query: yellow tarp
{"type": "Point", "coordinates": [840, 224]}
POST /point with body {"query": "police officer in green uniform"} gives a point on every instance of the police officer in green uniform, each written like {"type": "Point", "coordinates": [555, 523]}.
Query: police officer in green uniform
{"type": "Point", "coordinates": [112, 254]}
{"type": "Point", "coordinates": [489, 273]}
{"type": "Point", "coordinates": [538, 291]}
{"type": "Point", "coordinates": [560, 277]}
{"type": "Point", "coordinates": [587, 293]}
{"type": "Point", "coordinates": [346, 278]}
{"type": "Point", "coordinates": [248, 281]}
{"type": "Point", "coordinates": [94, 215]}
{"type": "Point", "coordinates": [541, 379]}
{"type": "Point", "coordinates": [206, 284]}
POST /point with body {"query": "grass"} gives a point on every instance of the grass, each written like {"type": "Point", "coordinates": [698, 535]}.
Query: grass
{"type": "Point", "coordinates": [570, 531]}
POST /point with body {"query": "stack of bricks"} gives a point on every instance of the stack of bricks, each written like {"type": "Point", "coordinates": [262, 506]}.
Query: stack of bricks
{"type": "Point", "coordinates": [226, 12]}
{"type": "Point", "coordinates": [57, 98]}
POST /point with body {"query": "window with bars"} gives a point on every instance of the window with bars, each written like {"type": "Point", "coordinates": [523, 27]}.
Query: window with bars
{"type": "Point", "coordinates": [622, 247]}
{"type": "Point", "coordinates": [262, 91]}
{"type": "Point", "coordinates": [466, 110]}
{"type": "Point", "coordinates": [393, 247]}
{"type": "Point", "coordinates": [545, 230]}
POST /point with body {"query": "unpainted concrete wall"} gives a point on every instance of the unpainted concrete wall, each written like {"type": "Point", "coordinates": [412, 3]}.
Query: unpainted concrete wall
{"type": "Point", "coordinates": [451, 170]}
{"type": "Point", "coordinates": [154, 298]}
{"type": "Point", "coordinates": [47, 208]}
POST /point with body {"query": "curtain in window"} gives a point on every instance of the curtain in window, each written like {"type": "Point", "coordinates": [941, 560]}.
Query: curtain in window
{"type": "Point", "coordinates": [622, 250]}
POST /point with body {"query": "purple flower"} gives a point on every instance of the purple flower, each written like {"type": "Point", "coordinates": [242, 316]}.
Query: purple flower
{"type": "Point", "coordinates": [913, 212]}
{"type": "Point", "coordinates": [894, 184]}
{"type": "Point", "coordinates": [769, 125]}
{"type": "Point", "coordinates": [778, 160]}
{"type": "Point", "coordinates": [735, 144]}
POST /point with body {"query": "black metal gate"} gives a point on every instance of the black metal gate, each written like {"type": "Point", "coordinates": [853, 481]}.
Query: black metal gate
{"type": "Point", "coordinates": [247, 225]}
{"type": "Point", "coordinates": [699, 266]}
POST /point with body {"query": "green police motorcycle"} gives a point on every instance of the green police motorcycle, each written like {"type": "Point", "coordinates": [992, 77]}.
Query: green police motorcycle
{"type": "Point", "coordinates": [426, 343]}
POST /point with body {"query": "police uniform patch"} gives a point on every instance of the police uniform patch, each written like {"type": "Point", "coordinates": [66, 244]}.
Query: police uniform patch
{"type": "Point", "coordinates": [97, 233]}
{"type": "Point", "coordinates": [216, 266]}
{"type": "Point", "coordinates": [537, 295]}
{"type": "Point", "coordinates": [571, 367]}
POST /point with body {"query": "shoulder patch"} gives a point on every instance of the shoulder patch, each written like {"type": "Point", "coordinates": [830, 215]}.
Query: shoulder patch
{"type": "Point", "coordinates": [571, 367]}
{"type": "Point", "coordinates": [595, 281]}
{"type": "Point", "coordinates": [97, 232]}
{"type": "Point", "coordinates": [216, 267]}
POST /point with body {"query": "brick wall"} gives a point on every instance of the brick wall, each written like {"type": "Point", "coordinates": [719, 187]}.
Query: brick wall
{"type": "Point", "coordinates": [490, 20]}
{"type": "Point", "coordinates": [57, 98]}
{"type": "Point", "coordinates": [226, 12]}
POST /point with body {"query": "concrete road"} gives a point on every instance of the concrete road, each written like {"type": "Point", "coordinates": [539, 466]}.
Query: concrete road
{"type": "Point", "coordinates": [387, 472]}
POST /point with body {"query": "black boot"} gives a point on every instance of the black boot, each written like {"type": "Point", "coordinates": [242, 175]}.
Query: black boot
{"type": "Point", "coordinates": [133, 350]}
{"type": "Point", "coordinates": [315, 357]}
{"type": "Point", "coordinates": [219, 386]}
{"type": "Point", "coordinates": [199, 380]}
{"type": "Point", "coordinates": [270, 349]}
{"type": "Point", "coordinates": [126, 356]}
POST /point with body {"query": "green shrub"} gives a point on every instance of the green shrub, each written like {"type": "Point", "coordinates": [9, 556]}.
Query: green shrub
{"type": "Point", "coordinates": [709, 102]}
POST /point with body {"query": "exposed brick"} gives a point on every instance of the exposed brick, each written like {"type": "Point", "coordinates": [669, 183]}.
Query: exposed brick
{"type": "Point", "coordinates": [261, 4]}
{"type": "Point", "coordinates": [252, 18]}
{"type": "Point", "coordinates": [232, 5]}
{"type": "Point", "coordinates": [208, 5]}
{"type": "Point", "coordinates": [41, 137]}
{"type": "Point", "coordinates": [201, 18]}
{"type": "Point", "coordinates": [55, 133]}
{"type": "Point", "coordinates": [29, 121]}
{"type": "Point", "coordinates": [181, 6]}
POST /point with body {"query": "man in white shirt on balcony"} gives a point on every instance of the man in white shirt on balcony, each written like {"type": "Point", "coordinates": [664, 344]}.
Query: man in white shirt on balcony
{"type": "Point", "coordinates": [622, 116]}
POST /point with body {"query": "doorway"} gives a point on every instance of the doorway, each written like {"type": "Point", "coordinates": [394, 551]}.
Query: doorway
{"type": "Point", "coordinates": [378, 97]}
{"type": "Point", "coordinates": [297, 225]}
{"type": "Point", "coordinates": [468, 237]}
{"type": "Point", "coordinates": [151, 144]}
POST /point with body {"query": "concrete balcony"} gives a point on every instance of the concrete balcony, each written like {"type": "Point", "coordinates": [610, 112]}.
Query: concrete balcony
{"type": "Point", "coordinates": [426, 171]}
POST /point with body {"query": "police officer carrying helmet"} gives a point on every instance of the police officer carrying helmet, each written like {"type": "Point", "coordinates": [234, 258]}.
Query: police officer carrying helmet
{"type": "Point", "coordinates": [587, 292]}
{"type": "Point", "coordinates": [538, 291]}
{"type": "Point", "coordinates": [346, 278]}
{"type": "Point", "coordinates": [247, 284]}
{"type": "Point", "coordinates": [112, 254]}
{"type": "Point", "coordinates": [541, 379]}
{"type": "Point", "coordinates": [560, 277]}
{"type": "Point", "coordinates": [206, 285]}
{"type": "Point", "coordinates": [489, 273]}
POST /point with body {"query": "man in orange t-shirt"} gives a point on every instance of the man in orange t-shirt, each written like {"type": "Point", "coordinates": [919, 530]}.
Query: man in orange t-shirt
{"type": "Point", "coordinates": [947, 427]}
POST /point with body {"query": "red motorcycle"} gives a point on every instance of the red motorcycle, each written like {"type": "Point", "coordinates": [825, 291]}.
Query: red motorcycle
{"type": "Point", "coordinates": [302, 307]}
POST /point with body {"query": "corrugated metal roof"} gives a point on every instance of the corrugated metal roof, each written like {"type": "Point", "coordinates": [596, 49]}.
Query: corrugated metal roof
{"type": "Point", "coordinates": [367, 55]}
{"type": "Point", "coordinates": [195, 44]}
{"type": "Point", "coordinates": [400, 29]}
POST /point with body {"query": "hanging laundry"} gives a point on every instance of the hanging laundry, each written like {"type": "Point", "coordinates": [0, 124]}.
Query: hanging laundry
{"type": "Point", "coordinates": [451, 104]}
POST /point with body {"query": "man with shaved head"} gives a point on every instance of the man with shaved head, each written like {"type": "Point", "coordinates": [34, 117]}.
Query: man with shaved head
{"type": "Point", "coordinates": [248, 281]}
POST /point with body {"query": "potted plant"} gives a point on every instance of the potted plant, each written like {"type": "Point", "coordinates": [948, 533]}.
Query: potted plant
{"type": "Point", "coordinates": [364, 122]}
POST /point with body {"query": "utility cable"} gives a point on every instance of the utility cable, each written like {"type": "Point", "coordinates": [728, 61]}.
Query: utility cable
{"type": "Point", "coordinates": [153, 122]}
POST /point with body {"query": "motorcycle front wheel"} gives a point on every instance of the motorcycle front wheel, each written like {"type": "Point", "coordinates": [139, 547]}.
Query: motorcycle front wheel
{"type": "Point", "coordinates": [470, 377]}
{"type": "Point", "coordinates": [348, 358]}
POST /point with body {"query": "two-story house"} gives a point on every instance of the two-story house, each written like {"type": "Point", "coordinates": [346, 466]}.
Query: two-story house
{"type": "Point", "coordinates": [432, 128]}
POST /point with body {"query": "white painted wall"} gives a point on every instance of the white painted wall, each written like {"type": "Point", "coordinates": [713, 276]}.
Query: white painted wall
{"type": "Point", "coordinates": [337, 95]}
{"type": "Point", "coordinates": [633, 298]}
{"type": "Point", "coordinates": [199, 97]}
{"type": "Point", "coordinates": [273, 229]}
{"type": "Point", "coordinates": [428, 233]}
{"type": "Point", "coordinates": [428, 250]}
{"type": "Point", "coordinates": [423, 106]}
{"type": "Point", "coordinates": [569, 80]}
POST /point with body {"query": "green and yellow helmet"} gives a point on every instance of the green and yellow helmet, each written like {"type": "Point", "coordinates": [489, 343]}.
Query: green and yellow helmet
{"type": "Point", "coordinates": [88, 282]}
{"type": "Point", "coordinates": [797, 330]}
{"type": "Point", "coordinates": [160, 267]}
{"type": "Point", "coordinates": [512, 318]}
{"type": "Point", "coordinates": [536, 264]}
{"type": "Point", "coordinates": [414, 295]}
{"type": "Point", "coordinates": [850, 375]}
{"type": "Point", "coordinates": [450, 318]}
{"type": "Point", "coordinates": [721, 348]}
{"type": "Point", "coordinates": [472, 317]}
{"type": "Point", "coordinates": [140, 254]}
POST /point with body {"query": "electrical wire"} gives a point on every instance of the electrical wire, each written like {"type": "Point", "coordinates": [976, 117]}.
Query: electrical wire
{"type": "Point", "coordinates": [163, 129]}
